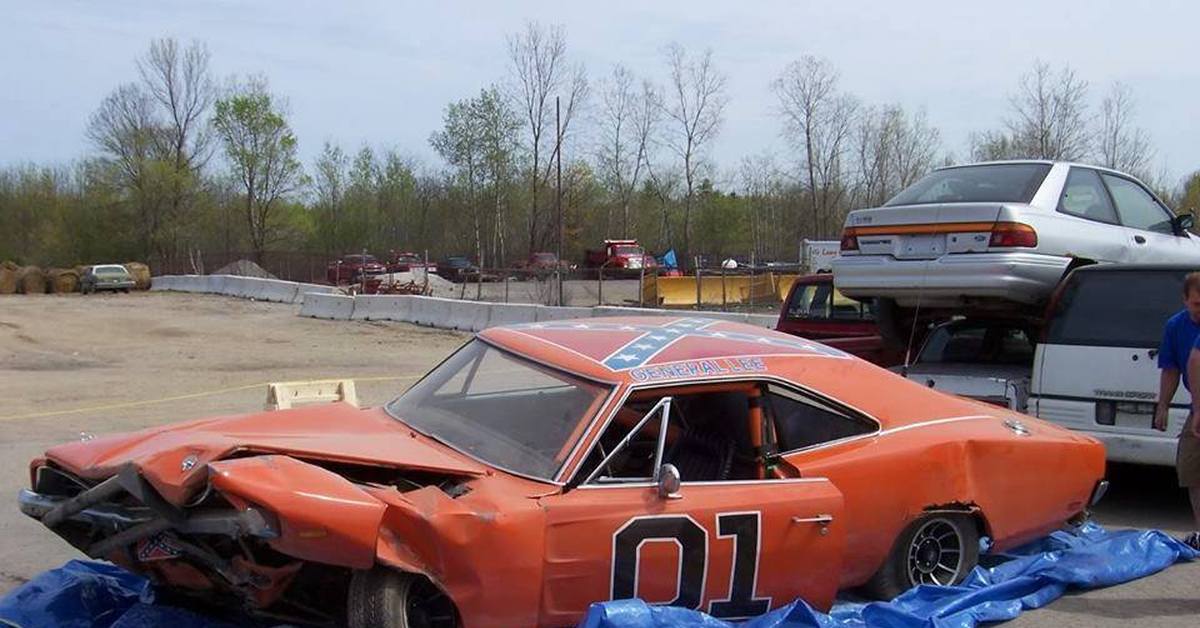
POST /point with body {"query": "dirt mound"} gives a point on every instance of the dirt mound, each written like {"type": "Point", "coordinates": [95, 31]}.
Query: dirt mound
{"type": "Point", "coordinates": [141, 275]}
{"type": "Point", "coordinates": [62, 280]}
{"type": "Point", "coordinates": [244, 268]}
{"type": "Point", "coordinates": [31, 280]}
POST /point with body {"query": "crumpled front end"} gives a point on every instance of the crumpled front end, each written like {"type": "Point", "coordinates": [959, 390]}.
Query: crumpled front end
{"type": "Point", "coordinates": [270, 533]}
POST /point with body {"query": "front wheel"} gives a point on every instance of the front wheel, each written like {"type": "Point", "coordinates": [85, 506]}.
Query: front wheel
{"type": "Point", "coordinates": [937, 549]}
{"type": "Point", "coordinates": [384, 598]}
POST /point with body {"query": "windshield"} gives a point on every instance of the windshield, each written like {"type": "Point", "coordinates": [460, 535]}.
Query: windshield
{"type": "Point", "coordinates": [993, 183]}
{"type": "Point", "coordinates": [501, 409]}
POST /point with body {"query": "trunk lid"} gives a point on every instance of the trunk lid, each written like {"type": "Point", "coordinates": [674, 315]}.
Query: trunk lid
{"type": "Point", "coordinates": [924, 231]}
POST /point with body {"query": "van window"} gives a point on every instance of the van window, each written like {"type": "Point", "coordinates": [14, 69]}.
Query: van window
{"type": "Point", "coordinates": [1125, 308]}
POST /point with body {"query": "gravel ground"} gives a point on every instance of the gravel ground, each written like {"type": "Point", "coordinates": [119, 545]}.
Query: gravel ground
{"type": "Point", "coordinates": [86, 359]}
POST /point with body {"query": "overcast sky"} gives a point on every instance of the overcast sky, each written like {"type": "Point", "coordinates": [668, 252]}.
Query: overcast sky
{"type": "Point", "coordinates": [381, 72]}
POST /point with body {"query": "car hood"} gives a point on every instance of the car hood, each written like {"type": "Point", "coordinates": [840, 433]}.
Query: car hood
{"type": "Point", "coordinates": [175, 458]}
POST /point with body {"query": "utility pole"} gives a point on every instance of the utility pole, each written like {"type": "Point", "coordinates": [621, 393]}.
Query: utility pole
{"type": "Point", "coordinates": [558, 186]}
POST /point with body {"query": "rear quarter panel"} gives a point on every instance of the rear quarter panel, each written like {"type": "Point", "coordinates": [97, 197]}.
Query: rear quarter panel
{"type": "Point", "coordinates": [1022, 486]}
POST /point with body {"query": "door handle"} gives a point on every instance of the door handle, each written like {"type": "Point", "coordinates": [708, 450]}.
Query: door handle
{"type": "Point", "coordinates": [821, 520]}
{"type": "Point", "coordinates": [1139, 239]}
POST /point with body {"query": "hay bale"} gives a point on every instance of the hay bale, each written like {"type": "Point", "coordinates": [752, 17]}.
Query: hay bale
{"type": "Point", "coordinates": [10, 265]}
{"type": "Point", "coordinates": [8, 280]}
{"type": "Point", "coordinates": [141, 275]}
{"type": "Point", "coordinates": [31, 280]}
{"type": "Point", "coordinates": [62, 280]}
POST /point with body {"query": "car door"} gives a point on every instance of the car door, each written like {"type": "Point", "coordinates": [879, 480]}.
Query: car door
{"type": "Point", "coordinates": [732, 549]}
{"type": "Point", "coordinates": [1147, 224]}
{"type": "Point", "coordinates": [1088, 226]}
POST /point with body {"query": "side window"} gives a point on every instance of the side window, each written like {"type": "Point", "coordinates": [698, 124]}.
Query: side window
{"type": "Point", "coordinates": [803, 422]}
{"type": "Point", "coordinates": [1137, 207]}
{"type": "Point", "coordinates": [1084, 196]}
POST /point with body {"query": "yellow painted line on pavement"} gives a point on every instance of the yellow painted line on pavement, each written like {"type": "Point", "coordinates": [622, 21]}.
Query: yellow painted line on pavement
{"type": "Point", "coordinates": [196, 395]}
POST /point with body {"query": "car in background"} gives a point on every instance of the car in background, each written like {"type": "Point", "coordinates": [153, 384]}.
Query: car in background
{"type": "Point", "coordinates": [815, 309]}
{"type": "Point", "coordinates": [986, 360]}
{"type": "Point", "coordinates": [404, 262]}
{"type": "Point", "coordinates": [458, 269]}
{"type": "Point", "coordinates": [547, 466]}
{"type": "Point", "coordinates": [106, 277]}
{"type": "Point", "coordinates": [1096, 369]}
{"type": "Point", "coordinates": [1003, 234]}
{"type": "Point", "coordinates": [538, 264]}
{"type": "Point", "coordinates": [353, 269]}
{"type": "Point", "coordinates": [620, 258]}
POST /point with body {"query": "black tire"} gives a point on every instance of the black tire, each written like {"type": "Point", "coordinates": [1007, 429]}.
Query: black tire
{"type": "Point", "coordinates": [384, 598]}
{"type": "Point", "coordinates": [925, 553]}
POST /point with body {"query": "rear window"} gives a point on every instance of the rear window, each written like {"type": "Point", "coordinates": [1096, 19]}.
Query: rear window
{"type": "Point", "coordinates": [994, 183]}
{"type": "Point", "coordinates": [821, 301]}
{"type": "Point", "coordinates": [1124, 308]}
{"type": "Point", "coordinates": [978, 344]}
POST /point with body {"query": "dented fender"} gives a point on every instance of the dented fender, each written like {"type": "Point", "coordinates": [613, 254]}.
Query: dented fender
{"type": "Point", "coordinates": [322, 516]}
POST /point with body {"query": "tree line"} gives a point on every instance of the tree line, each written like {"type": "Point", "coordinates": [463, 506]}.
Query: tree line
{"type": "Point", "coordinates": [184, 167]}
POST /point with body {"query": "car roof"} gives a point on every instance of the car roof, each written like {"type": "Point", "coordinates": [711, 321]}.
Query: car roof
{"type": "Point", "coordinates": [684, 350]}
{"type": "Point", "coordinates": [109, 267]}
{"type": "Point", "coordinates": [1048, 162]}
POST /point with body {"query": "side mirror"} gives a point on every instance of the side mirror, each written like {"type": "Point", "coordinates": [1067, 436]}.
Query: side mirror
{"type": "Point", "coordinates": [668, 482]}
{"type": "Point", "coordinates": [1182, 223]}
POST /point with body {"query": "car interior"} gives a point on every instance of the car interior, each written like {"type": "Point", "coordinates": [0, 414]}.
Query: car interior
{"type": "Point", "coordinates": [718, 432]}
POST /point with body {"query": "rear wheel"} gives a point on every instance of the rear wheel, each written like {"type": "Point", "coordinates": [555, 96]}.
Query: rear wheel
{"type": "Point", "coordinates": [937, 549]}
{"type": "Point", "coordinates": [383, 598]}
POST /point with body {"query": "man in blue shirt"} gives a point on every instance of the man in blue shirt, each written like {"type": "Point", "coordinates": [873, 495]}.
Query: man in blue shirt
{"type": "Point", "coordinates": [1179, 355]}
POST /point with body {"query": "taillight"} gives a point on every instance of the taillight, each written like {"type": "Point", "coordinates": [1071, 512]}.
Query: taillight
{"type": "Point", "coordinates": [1013, 234]}
{"type": "Point", "coordinates": [849, 240]}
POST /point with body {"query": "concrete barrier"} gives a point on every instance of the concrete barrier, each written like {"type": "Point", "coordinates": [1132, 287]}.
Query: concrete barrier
{"type": "Point", "coordinates": [373, 307]}
{"type": "Point", "coordinates": [306, 288]}
{"type": "Point", "coordinates": [432, 311]}
{"type": "Point", "coordinates": [555, 313]}
{"type": "Point", "coordinates": [195, 284]}
{"type": "Point", "coordinates": [512, 314]}
{"type": "Point", "coordinates": [278, 291]}
{"type": "Point", "coordinates": [617, 310]}
{"type": "Point", "coordinates": [329, 306]}
{"type": "Point", "coordinates": [469, 315]}
{"type": "Point", "coordinates": [164, 282]}
{"type": "Point", "coordinates": [215, 284]}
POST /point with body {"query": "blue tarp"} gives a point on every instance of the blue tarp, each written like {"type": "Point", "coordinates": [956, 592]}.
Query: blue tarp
{"type": "Point", "coordinates": [1029, 577]}
{"type": "Point", "coordinates": [97, 595]}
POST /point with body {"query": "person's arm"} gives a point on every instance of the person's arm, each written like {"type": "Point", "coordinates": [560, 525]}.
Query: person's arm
{"type": "Point", "coordinates": [1168, 383]}
{"type": "Point", "coordinates": [1194, 380]}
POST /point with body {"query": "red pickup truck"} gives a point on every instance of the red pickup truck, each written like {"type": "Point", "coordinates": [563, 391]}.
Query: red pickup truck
{"type": "Point", "coordinates": [815, 309]}
{"type": "Point", "coordinates": [620, 257]}
{"type": "Point", "coordinates": [353, 269]}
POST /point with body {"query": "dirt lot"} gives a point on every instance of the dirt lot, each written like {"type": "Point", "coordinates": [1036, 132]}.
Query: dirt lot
{"type": "Point", "coordinates": [107, 363]}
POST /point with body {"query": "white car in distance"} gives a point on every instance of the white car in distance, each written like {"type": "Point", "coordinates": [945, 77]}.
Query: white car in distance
{"type": "Point", "coordinates": [1004, 234]}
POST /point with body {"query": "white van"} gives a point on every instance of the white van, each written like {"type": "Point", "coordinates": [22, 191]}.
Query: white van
{"type": "Point", "coordinates": [1096, 370]}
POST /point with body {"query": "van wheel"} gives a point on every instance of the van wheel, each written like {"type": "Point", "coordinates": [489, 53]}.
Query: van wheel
{"type": "Point", "coordinates": [939, 549]}
{"type": "Point", "coordinates": [384, 598]}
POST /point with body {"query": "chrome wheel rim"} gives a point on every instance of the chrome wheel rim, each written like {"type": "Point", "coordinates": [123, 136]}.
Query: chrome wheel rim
{"type": "Point", "coordinates": [935, 554]}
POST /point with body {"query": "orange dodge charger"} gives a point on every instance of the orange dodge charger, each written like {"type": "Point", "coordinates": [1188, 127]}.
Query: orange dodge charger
{"type": "Point", "coordinates": [542, 467]}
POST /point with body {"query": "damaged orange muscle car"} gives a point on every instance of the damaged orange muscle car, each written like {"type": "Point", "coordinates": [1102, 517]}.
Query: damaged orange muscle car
{"type": "Point", "coordinates": [543, 467]}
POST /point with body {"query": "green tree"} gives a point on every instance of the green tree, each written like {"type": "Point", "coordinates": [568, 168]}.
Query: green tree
{"type": "Point", "coordinates": [261, 150]}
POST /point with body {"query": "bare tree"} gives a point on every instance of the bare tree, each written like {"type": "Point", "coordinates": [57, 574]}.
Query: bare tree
{"type": "Point", "coordinates": [1050, 114]}
{"type": "Point", "coordinates": [695, 107]}
{"type": "Point", "coordinates": [892, 151]}
{"type": "Point", "coordinates": [1121, 145]}
{"type": "Point", "coordinates": [627, 122]}
{"type": "Point", "coordinates": [541, 72]}
{"type": "Point", "coordinates": [819, 119]}
{"type": "Point", "coordinates": [124, 129]}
